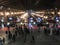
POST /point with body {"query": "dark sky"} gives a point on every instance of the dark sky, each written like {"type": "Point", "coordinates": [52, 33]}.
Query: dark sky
{"type": "Point", "coordinates": [32, 4]}
{"type": "Point", "coordinates": [37, 4]}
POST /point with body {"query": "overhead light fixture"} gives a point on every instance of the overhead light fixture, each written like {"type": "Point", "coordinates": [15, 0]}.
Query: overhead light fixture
{"type": "Point", "coordinates": [12, 13]}
{"type": "Point", "coordinates": [7, 13]}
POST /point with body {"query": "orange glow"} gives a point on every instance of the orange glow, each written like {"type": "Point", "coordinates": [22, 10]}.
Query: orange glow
{"type": "Point", "coordinates": [5, 28]}
{"type": "Point", "coordinates": [1, 13]}
{"type": "Point", "coordinates": [7, 13]}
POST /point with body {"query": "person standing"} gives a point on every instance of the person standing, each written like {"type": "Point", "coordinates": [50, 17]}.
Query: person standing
{"type": "Point", "coordinates": [14, 37]}
{"type": "Point", "coordinates": [3, 40]}
{"type": "Point", "coordinates": [32, 35]}
{"type": "Point", "coordinates": [26, 33]}
{"type": "Point", "coordinates": [45, 31]}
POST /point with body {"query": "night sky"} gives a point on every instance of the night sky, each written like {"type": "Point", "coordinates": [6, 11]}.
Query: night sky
{"type": "Point", "coordinates": [32, 4]}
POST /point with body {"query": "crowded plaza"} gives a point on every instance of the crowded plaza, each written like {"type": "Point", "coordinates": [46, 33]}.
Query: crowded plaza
{"type": "Point", "coordinates": [22, 24]}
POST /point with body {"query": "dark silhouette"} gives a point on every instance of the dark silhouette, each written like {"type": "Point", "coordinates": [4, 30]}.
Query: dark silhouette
{"type": "Point", "coordinates": [14, 37]}
{"type": "Point", "coordinates": [26, 32]}
{"type": "Point", "coordinates": [10, 35]}
{"type": "Point", "coordinates": [3, 40]}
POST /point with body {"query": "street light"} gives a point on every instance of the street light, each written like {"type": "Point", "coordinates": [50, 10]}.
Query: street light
{"type": "Point", "coordinates": [34, 22]}
{"type": "Point", "coordinates": [8, 23]}
{"type": "Point", "coordinates": [45, 17]}
{"type": "Point", "coordinates": [7, 13]}
{"type": "Point", "coordinates": [12, 13]}
{"type": "Point", "coordinates": [59, 13]}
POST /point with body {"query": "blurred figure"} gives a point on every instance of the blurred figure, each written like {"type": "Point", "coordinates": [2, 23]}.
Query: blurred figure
{"type": "Point", "coordinates": [58, 29]}
{"type": "Point", "coordinates": [10, 36]}
{"type": "Point", "coordinates": [16, 32]}
{"type": "Point", "coordinates": [45, 30]}
{"type": "Point", "coordinates": [3, 40]}
{"type": "Point", "coordinates": [6, 32]}
{"type": "Point", "coordinates": [1, 43]}
{"type": "Point", "coordinates": [14, 37]}
{"type": "Point", "coordinates": [51, 26]}
{"type": "Point", "coordinates": [57, 33]}
{"type": "Point", "coordinates": [26, 33]}
{"type": "Point", "coordinates": [21, 30]}
{"type": "Point", "coordinates": [33, 39]}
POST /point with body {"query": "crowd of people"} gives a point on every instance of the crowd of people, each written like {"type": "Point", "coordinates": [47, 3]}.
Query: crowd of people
{"type": "Point", "coordinates": [20, 31]}
{"type": "Point", "coordinates": [52, 29]}
{"type": "Point", "coordinates": [24, 31]}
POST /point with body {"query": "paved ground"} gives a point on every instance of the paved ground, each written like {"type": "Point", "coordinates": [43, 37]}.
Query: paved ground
{"type": "Point", "coordinates": [40, 39]}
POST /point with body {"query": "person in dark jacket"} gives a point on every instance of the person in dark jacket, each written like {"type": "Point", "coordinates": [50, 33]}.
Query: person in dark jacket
{"type": "Point", "coordinates": [26, 32]}
{"type": "Point", "coordinates": [57, 32]}
{"type": "Point", "coordinates": [3, 40]}
{"type": "Point", "coordinates": [14, 37]}
{"type": "Point", "coordinates": [32, 36]}
{"type": "Point", "coordinates": [45, 30]}
{"type": "Point", "coordinates": [10, 35]}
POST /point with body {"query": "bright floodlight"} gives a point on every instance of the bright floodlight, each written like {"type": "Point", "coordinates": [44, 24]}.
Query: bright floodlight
{"type": "Point", "coordinates": [10, 18]}
{"type": "Point", "coordinates": [12, 13]}
{"type": "Point", "coordinates": [7, 13]}
{"type": "Point", "coordinates": [24, 15]}
{"type": "Point", "coordinates": [31, 20]}
{"type": "Point", "coordinates": [47, 23]}
{"type": "Point", "coordinates": [52, 12]}
{"type": "Point", "coordinates": [40, 12]}
{"type": "Point", "coordinates": [2, 25]}
{"type": "Point", "coordinates": [2, 20]}
{"type": "Point", "coordinates": [18, 19]}
{"type": "Point", "coordinates": [25, 20]}
{"type": "Point", "coordinates": [45, 17]}
{"type": "Point", "coordinates": [37, 14]}
{"type": "Point", "coordinates": [21, 23]}
{"type": "Point", "coordinates": [8, 23]}
{"type": "Point", "coordinates": [57, 20]}
{"type": "Point", "coordinates": [34, 23]}
{"type": "Point", "coordinates": [30, 25]}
